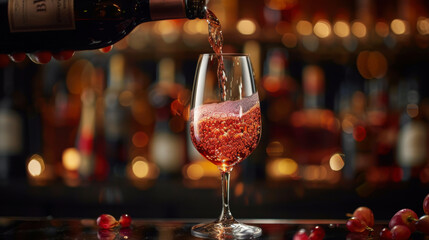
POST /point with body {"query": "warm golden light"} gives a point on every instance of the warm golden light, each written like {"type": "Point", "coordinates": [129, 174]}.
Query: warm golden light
{"type": "Point", "coordinates": [71, 159]}
{"type": "Point", "coordinates": [195, 171]}
{"type": "Point", "coordinates": [423, 26]}
{"type": "Point", "coordinates": [322, 29]}
{"type": "Point", "coordinates": [282, 167]}
{"type": "Point", "coordinates": [336, 162]}
{"type": "Point", "coordinates": [287, 166]}
{"type": "Point", "coordinates": [398, 26]}
{"type": "Point", "coordinates": [341, 29]}
{"type": "Point", "coordinates": [382, 29]}
{"type": "Point", "coordinates": [359, 29]}
{"type": "Point", "coordinates": [304, 28]}
{"type": "Point", "coordinates": [246, 27]}
{"type": "Point", "coordinates": [35, 165]}
{"type": "Point", "coordinates": [140, 167]}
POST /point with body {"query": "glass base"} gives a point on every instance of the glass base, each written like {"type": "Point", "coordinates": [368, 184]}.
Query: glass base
{"type": "Point", "coordinates": [226, 230]}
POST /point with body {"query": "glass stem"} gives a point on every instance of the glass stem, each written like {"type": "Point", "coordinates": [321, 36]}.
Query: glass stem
{"type": "Point", "coordinates": [226, 215]}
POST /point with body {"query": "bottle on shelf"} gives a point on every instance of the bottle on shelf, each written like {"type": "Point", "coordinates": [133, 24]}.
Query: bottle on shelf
{"type": "Point", "coordinates": [12, 164]}
{"type": "Point", "coordinates": [29, 26]}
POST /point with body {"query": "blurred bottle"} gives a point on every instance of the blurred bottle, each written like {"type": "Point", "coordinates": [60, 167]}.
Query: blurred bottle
{"type": "Point", "coordinates": [316, 129]}
{"type": "Point", "coordinates": [167, 148]}
{"type": "Point", "coordinates": [352, 112]}
{"type": "Point", "coordinates": [12, 162]}
{"type": "Point", "coordinates": [86, 133]}
{"type": "Point", "coordinates": [116, 117]}
{"type": "Point", "coordinates": [81, 25]}
{"type": "Point", "coordinates": [413, 133]}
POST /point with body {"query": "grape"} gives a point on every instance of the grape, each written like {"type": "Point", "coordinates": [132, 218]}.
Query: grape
{"type": "Point", "coordinates": [106, 49]}
{"type": "Point", "coordinates": [41, 57]}
{"type": "Point", "coordinates": [400, 232]}
{"type": "Point", "coordinates": [317, 233]}
{"type": "Point", "coordinates": [106, 221]}
{"type": "Point", "coordinates": [300, 235]}
{"type": "Point", "coordinates": [17, 57]}
{"type": "Point", "coordinates": [385, 234]}
{"type": "Point", "coordinates": [125, 220]}
{"type": "Point", "coordinates": [354, 224]}
{"type": "Point", "coordinates": [405, 217]}
{"type": "Point", "coordinates": [422, 224]}
{"type": "Point", "coordinates": [364, 214]}
{"type": "Point", "coordinates": [426, 205]}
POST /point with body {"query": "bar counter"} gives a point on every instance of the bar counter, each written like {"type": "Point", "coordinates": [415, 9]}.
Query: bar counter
{"type": "Point", "coordinates": [51, 228]}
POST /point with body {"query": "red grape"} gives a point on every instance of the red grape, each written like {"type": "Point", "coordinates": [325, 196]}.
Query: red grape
{"type": "Point", "coordinates": [426, 205]}
{"type": "Point", "coordinates": [354, 224]}
{"type": "Point", "coordinates": [106, 221]}
{"type": "Point", "coordinates": [106, 49]}
{"type": "Point", "coordinates": [422, 224]}
{"type": "Point", "coordinates": [300, 235]}
{"type": "Point", "coordinates": [364, 214]}
{"type": "Point", "coordinates": [400, 232]}
{"type": "Point", "coordinates": [17, 57]}
{"type": "Point", "coordinates": [317, 233]}
{"type": "Point", "coordinates": [125, 220]}
{"type": "Point", "coordinates": [405, 217]}
{"type": "Point", "coordinates": [41, 57]}
{"type": "Point", "coordinates": [385, 234]}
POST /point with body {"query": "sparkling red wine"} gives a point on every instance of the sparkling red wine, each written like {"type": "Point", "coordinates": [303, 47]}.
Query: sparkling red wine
{"type": "Point", "coordinates": [33, 25]}
{"type": "Point", "coordinates": [216, 42]}
{"type": "Point", "coordinates": [226, 133]}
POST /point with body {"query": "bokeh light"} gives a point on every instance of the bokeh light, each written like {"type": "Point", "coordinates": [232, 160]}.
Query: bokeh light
{"type": "Point", "coordinates": [304, 28]}
{"type": "Point", "coordinates": [336, 162]}
{"type": "Point", "coordinates": [423, 25]}
{"type": "Point", "coordinates": [322, 28]}
{"type": "Point", "coordinates": [71, 159]}
{"type": "Point", "coordinates": [246, 26]}
{"type": "Point", "coordinates": [359, 29]}
{"type": "Point", "coordinates": [35, 165]}
{"type": "Point", "coordinates": [140, 167]}
{"type": "Point", "coordinates": [342, 29]}
{"type": "Point", "coordinates": [398, 26]}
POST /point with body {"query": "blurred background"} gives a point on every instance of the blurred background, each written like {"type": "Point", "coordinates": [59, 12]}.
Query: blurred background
{"type": "Point", "coordinates": [345, 103]}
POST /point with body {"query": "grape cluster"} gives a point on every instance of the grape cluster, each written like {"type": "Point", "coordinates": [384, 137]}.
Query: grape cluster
{"type": "Point", "coordinates": [317, 233]}
{"type": "Point", "coordinates": [401, 225]}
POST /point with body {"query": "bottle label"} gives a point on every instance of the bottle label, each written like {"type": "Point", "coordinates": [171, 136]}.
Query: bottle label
{"type": "Point", "coordinates": [40, 15]}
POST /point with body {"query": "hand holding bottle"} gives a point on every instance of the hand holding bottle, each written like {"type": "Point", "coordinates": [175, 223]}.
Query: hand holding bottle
{"type": "Point", "coordinates": [41, 57]}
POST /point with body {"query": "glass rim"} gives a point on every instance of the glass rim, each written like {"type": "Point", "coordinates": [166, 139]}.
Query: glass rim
{"type": "Point", "coordinates": [226, 54]}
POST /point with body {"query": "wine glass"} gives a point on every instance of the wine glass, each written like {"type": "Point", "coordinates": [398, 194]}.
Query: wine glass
{"type": "Point", "coordinates": [225, 127]}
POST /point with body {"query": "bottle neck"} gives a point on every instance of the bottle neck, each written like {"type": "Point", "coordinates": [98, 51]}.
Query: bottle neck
{"type": "Point", "coordinates": [173, 9]}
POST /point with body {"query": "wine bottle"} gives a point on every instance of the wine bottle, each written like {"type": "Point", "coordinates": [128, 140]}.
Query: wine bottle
{"type": "Point", "coordinates": [33, 25]}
